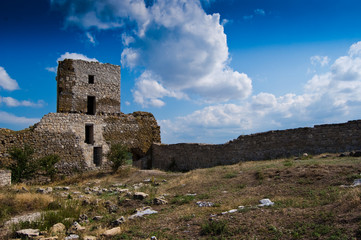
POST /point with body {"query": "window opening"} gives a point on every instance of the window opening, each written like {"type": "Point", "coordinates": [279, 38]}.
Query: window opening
{"type": "Point", "coordinates": [91, 105]}
{"type": "Point", "coordinates": [89, 133]}
{"type": "Point", "coordinates": [97, 156]}
{"type": "Point", "coordinates": [91, 79]}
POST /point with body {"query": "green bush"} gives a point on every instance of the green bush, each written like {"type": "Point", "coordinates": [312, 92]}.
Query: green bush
{"type": "Point", "coordinates": [214, 228]}
{"type": "Point", "coordinates": [47, 164]}
{"type": "Point", "coordinates": [118, 155]}
{"type": "Point", "coordinates": [23, 165]}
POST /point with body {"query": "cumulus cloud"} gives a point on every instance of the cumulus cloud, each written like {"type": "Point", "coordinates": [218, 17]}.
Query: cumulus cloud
{"type": "Point", "coordinates": [175, 40]}
{"type": "Point", "coordinates": [330, 97]}
{"type": "Point", "coordinates": [6, 82]}
{"type": "Point", "coordinates": [321, 60]}
{"type": "Point", "coordinates": [149, 91]}
{"type": "Point", "coordinates": [9, 118]}
{"type": "Point", "coordinates": [12, 102]}
{"type": "Point", "coordinates": [80, 56]}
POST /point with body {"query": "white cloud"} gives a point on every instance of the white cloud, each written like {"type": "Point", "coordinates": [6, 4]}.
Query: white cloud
{"type": "Point", "coordinates": [334, 96]}
{"type": "Point", "coordinates": [6, 82]}
{"type": "Point", "coordinates": [322, 60]}
{"type": "Point", "coordinates": [9, 118]}
{"type": "Point", "coordinates": [90, 38]}
{"type": "Point", "coordinates": [12, 102]}
{"type": "Point", "coordinates": [51, 69]}
{"type": "Point", "coordinates": [259, 11]}
{"type": "Point", "coordinates": [355, 49]}
{"type": "Point", "coordinates": [149, 91]}
{"type": "Point", "coordinates": [247, 17]}
{"type": "Point", "coordinates": [68, 55]}
{"type": "Point", "coordinates": [174, 40]}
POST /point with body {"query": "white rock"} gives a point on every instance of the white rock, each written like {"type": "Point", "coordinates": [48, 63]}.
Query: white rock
{"type": "Point", "coordinates": [143, 211]}
{"type": "Point", "coordinates": [265, 202]}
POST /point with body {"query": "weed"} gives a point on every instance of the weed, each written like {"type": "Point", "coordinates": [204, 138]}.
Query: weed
{"type": "Point", "coordinates": [230, 175]}
{"type": "Point", "coordinates": [288, 163]}
{"type": "Point", "coordinates": [203, 196]}
{"type": "Point", "coordinates": [182, 199]}
{"type": "Point", "coordinates": [241, 186]}
{"type": "Point", "coordinates": [47, 164]}
{"type": "Point", "coordinates": [23, 166]}
{"type": "Point", "coordinates": [187, 218]}
{"type": "Point", "coordinates": [214, 228]}
{"type": "Point", "coordinates": [69, 211]}
{"type": "Point", "coordinates": [118, 155]}
{"type": "Point", "coordinates": [259, 175]}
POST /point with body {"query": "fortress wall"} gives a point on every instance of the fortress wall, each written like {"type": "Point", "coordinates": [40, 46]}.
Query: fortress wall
{"type": "Point", "coordinates": [330, 138]}
{"type": "Point", "coordinates": [64, 134]}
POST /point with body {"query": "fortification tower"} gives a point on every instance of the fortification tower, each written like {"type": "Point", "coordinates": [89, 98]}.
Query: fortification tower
{"type": "Point", "coordinates": [88, 87]}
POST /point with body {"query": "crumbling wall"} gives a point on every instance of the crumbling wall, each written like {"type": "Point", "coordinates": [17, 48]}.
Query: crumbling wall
{"type": "Point", "coordinates": [74, 86]}
{"type": "Point", "coordinates": [64, 134]}
{"type": "Point", "coordinates": [5, 178]}
{"type": "Point", "coordinates": [331, 138]}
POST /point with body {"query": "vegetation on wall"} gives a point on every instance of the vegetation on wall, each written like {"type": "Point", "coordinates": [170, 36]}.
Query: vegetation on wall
{"type": "Point", "coordinates": [118, 155]}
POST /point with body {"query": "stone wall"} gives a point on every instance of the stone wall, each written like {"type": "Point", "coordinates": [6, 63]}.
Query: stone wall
{"type": "Point", "coordinates": [64, 134]}
{"type": "Point", "coordinates": [77, 79]}
{"type": "Point", "coordinates": [5, 178]}
{"type": "Point", "coordinates": [331, 138]}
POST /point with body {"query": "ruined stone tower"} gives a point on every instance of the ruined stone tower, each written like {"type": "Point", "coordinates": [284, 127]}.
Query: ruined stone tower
{"type": "Point", "coordinates": [88, 87]}
{"type": "Point", "coordinates": [87, 122]}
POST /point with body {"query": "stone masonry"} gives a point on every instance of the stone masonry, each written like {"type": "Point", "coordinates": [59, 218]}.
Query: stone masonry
{"type": "Point", "coordinates": [329, 138]}
{"type": "Point", "coordinates": [87, 122]}
{"type": "Point", "coordinates": [81, 84]}
{"type": "Point", "coordinates": [5, 178]}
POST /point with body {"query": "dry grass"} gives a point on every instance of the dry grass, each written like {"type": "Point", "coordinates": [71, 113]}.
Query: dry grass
{"type": "Point", "coordinates": [309, 202]}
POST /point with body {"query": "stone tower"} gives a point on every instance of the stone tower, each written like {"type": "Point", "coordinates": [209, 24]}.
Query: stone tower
{"type": "Point", "coordinates": [88, 87]}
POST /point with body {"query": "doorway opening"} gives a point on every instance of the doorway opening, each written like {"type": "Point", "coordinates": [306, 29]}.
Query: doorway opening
{"type": "Point", "coordinates": [97, 156]}
{"type": "Point", "coordinates": [89, 133]}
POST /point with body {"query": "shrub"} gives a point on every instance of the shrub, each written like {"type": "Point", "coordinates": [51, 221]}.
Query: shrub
{"type": "Point", "coordinates": [118, 155]}
{"type": "Point", "coordinates": [47, 164]}
{"type": "Point", "coordinates": [23, 165]}
{"type": "Point", "coordinates": [214, 228]}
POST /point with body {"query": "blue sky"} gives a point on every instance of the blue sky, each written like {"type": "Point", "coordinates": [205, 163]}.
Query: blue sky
{"type": "Point", "coordinates": [208, 70]}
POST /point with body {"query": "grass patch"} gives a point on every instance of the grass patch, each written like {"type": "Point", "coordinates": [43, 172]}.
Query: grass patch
{"type": "Point", "coordinates": [182, 199]}
{"type": "Point", "coordinates": [214, 228]}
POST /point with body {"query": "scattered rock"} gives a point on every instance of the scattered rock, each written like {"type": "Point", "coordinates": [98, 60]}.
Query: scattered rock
{"type": "Point", "coordinates": [85, 202]}
{"type": "Point", "coordinates": [72, 236]}
{"type": "Point", "coordinates": [204, 204]}
{"type": "Point", "coordinates": [44, 190]}
{"type": "Point", "coordinates": [240, 207]}
{"type": "Point", "coordinates": [122, 190]}
{"type": "Point", "coordinates": [112, 208]}
{"type": "Point", "coordinates": [75, 228]}
{"type": "Point", "coordinates": [143, 211]}
{"type": "Point", "coordinates": [97, 218]}
{"type": "Point", "coordinates": [83, 218]}
{"type": "Point", "coordinates": [112, 232]}
{"type": "Point", "coordinates": [58, 228]}
{"type": "Point", "coordinates": [28, 233]}
{"type": "Point", "coordinates": [265, 202]}
{"type": "Point", "coordinates": [305, 155]}
{"type": "Point", "coordinates": [356, 154]}
{"type": "Point", "coordinates": [118, 221]}
{"type": "Point", "coordinates": [160, 201]}
{"type": "Point", "coordinates": [49, 238]}
{"type": "Point", "coordinates": [191, 194]}
{"type": "Point", "coordinates": [232, 211]}
{"type": "Point", "coordinates": [89, 238]}
{"type": "Point", "coordinates": [140, 195]}
{"type": "Point", "coordinates": [356, 182]}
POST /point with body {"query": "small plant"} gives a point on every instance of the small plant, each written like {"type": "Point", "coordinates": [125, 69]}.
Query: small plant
{"type": "Point", "coordinates": [47, 164]}
{"type": "Point", "coordinates": [259, 175]}
{"type": "Point", "coordinates": [118, 155]}
{"type": "Point", "coordinates": [182, 199]}
{"type": "Point", "coordinates": [214, 228]}
{"type": "Point", "coordinates": [288, 163]}
{"type": "Point", "coordinates": [230, 175]}
{"type": "Point", "coordinates": [23, 165]}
